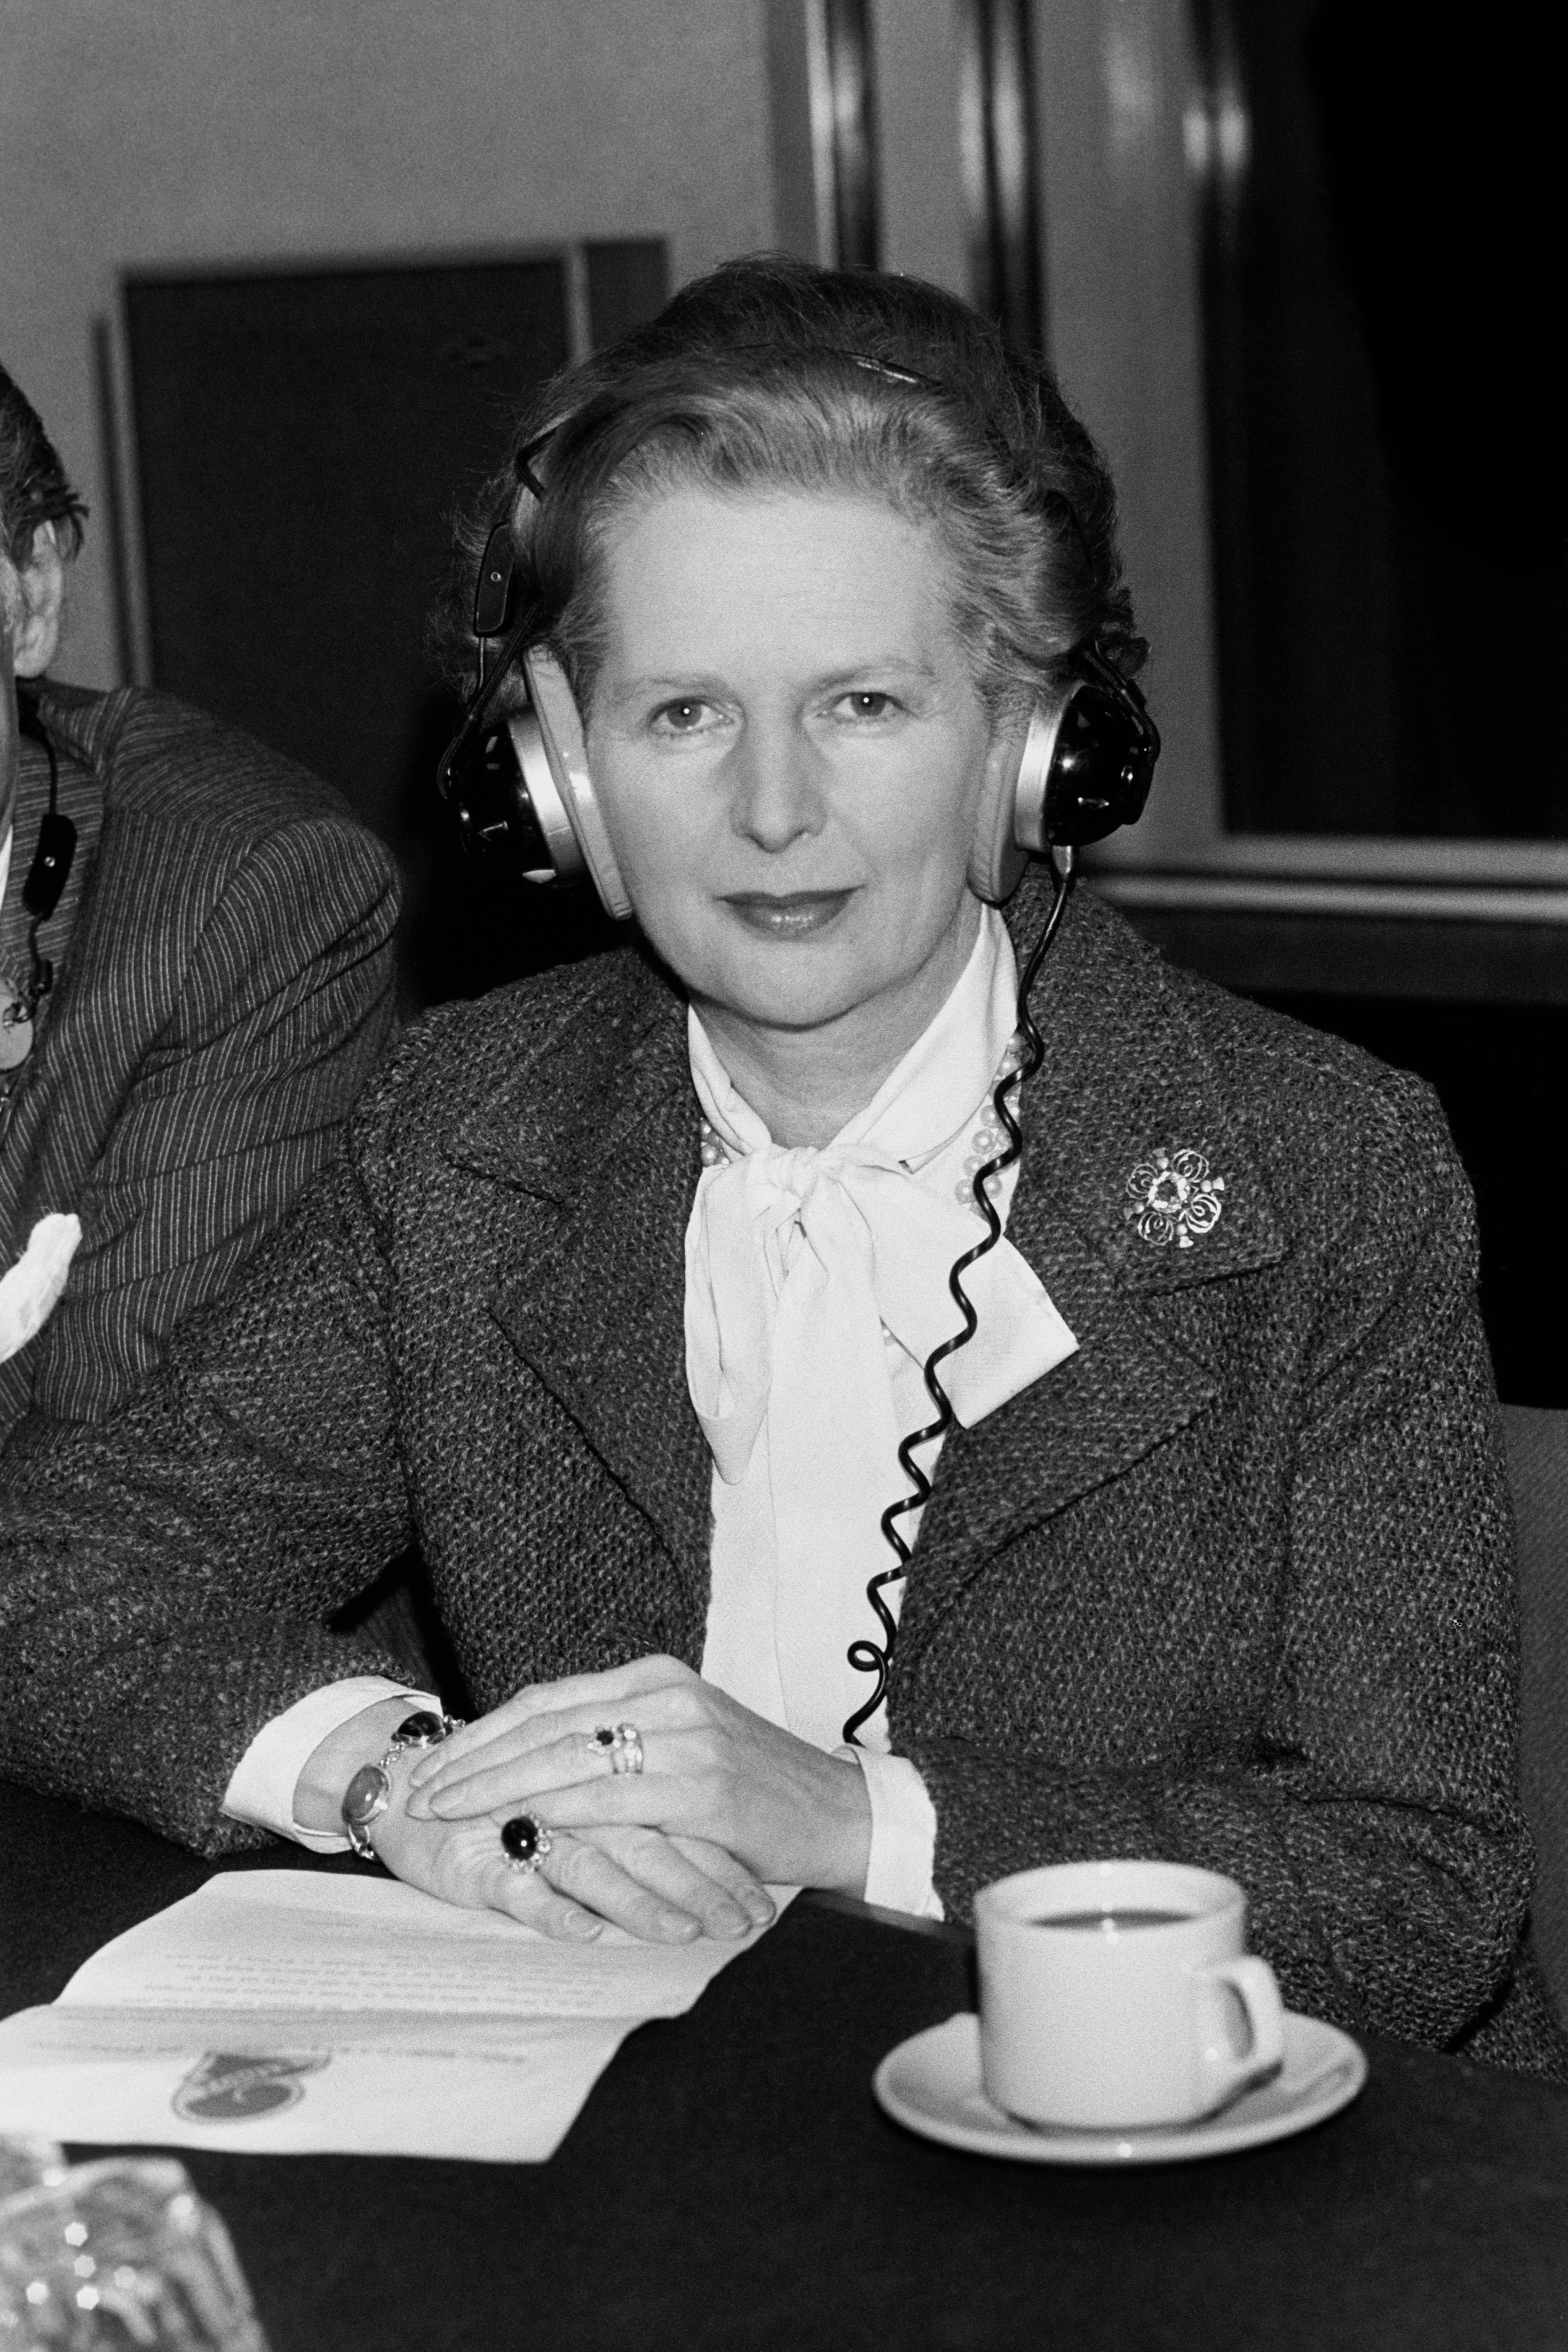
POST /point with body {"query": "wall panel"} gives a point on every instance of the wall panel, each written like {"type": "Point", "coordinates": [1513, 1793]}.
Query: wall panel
{"type": "Point", "coordinates": [198, 132]}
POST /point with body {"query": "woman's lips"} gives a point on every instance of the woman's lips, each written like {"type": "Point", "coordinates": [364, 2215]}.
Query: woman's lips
{"type": "Point", "coordinates": [787, 915]}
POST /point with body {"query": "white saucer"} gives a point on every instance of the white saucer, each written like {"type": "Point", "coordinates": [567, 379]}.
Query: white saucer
{"type": "Point", "coordinates": [932, 2082]}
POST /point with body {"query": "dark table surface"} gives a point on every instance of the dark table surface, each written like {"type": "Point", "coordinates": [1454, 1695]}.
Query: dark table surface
{"type": "Point", "coordinates": [731, 2182]}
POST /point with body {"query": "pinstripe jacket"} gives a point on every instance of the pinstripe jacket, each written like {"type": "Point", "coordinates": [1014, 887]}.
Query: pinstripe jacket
{"type": "Point", "coordinates": [223, 983]}
{"type": "Point", "coordinates": [1232, 1584]}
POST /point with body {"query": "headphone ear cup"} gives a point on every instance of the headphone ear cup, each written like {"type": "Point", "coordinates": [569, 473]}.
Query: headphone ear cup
{"type": "Point", "coordinates": [566, 750]}
{"type": "Point", "coordinates": [1035, 769]}
{"type": "Point", "coordinates": [499, 787]}
{"type": "Point", "coordinates": [1098, 767]}
{"type": "Point", "coordinates": [564, 861]}
{"type": "Point", "coordinates": [998, 861]}
{"type": "Point", "coordinates": [1087, 763]}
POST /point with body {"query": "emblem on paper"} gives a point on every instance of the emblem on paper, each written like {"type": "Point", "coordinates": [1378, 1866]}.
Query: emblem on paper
{"type": "Point", "coordinates": [1172, 1197]}
{"type": "Point", "coordinates": [227, 2088]}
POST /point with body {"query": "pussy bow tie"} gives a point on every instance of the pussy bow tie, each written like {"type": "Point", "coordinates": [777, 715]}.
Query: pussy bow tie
{"type": "Point", "coordinates": [797, 1262]}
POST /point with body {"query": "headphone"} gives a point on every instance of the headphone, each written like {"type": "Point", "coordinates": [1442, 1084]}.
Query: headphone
{"type": "Point", "coordinates": [519, 786]}
{"type": "Point", "coordinates": [55, 849]}
{"type": "Point", "coordinates": [518, 782]}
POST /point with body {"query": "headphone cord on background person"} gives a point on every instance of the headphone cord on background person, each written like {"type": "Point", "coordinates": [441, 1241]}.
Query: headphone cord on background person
{"type": "Point", "coordinates": [40, 895]}
{"type": "Point", "coordinates": [52, 855]}
{"type": "Point", "coordinates": [872, 1657]}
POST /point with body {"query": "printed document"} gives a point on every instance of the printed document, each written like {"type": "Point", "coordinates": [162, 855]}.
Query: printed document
{"type": "Point", "coordinates": [287, 2010]}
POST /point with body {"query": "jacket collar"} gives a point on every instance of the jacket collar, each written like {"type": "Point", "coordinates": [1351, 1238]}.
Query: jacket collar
{"type": "Point", "coordinates": [600, 1121]}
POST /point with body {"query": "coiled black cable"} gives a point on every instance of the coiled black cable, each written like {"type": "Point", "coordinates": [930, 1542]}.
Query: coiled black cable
{"type": "Point", "coordinates": [872, 1657]}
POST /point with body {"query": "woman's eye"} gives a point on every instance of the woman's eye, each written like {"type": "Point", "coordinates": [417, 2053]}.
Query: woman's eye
{"type": "Point", "coordinates": [686, 716]}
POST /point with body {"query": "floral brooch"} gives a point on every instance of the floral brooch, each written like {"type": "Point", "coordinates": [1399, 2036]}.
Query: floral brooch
{"type": "Point", "coordinates": [1173, 1198]}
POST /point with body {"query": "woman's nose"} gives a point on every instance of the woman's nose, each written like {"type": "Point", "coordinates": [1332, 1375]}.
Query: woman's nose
{"type": "Point", "coordinates": [776, 788]}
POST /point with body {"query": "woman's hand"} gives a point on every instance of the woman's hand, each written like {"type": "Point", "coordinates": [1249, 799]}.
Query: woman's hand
{"type": "Point", "coordinates": [664, 1890]}
{"type": "Point", "coordinates": [712, 1770]}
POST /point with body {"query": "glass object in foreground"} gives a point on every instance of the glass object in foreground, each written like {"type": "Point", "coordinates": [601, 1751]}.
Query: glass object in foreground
{"type": "Point", "coordinates": [118, 2254]}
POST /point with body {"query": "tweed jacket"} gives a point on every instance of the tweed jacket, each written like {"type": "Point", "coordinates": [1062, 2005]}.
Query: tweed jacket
{"type": "Point", "coordinates": [223, 983]}
{"type": "Point", "coordinates": [1232, 1584]}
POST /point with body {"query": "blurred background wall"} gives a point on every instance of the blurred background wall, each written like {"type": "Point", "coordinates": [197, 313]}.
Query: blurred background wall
{"type": "Point", "coordinates": [277, 275]}
{"type": "Point", "coordinates": [209, 133]}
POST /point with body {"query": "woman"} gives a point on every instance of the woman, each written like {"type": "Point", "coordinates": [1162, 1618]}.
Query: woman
{"type": "Point", "coordinates": [620, 1298]}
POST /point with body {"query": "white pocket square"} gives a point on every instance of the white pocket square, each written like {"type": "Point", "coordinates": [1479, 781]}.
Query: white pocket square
{"type": "Point", "coordinates": [30, 1291]}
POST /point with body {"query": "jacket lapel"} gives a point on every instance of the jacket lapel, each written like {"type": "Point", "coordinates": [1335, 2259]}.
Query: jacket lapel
{"type": "Point", "coordinates": [1125, 1075]}
{"type": "Point", "coordinates": [1128, 1388]}
{"type": "Point", "coordinates": [603, 1125]}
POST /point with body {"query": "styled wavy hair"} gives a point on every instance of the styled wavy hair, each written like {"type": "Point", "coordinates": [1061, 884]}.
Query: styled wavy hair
{"type": "Point", "coordinates": [34, 489]}
{"type": "Point", "coordinates": [772, 375]}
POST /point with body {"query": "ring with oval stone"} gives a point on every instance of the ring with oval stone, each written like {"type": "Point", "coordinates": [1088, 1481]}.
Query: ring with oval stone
{"type": "Point", "coordinates": [369, 1793]}
{"type": "Point", "coordinates": [524, 1843]}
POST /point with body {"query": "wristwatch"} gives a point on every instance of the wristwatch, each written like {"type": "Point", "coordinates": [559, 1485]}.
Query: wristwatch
{"type": "Point", "coordinates": [369, 1793]}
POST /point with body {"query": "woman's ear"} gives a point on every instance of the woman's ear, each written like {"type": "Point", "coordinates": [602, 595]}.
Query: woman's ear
{"type": "Point", "coordinates": [37, 603]}
{"type": "Point", "coordinates": [997, 863]}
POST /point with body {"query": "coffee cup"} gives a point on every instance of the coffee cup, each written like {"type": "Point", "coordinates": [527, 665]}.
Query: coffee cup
{"type": "Point", "coordinates": [1118, 1995]}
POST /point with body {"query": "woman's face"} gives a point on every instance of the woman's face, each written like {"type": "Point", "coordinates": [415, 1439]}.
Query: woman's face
{"type": "Point", "coordinates": [789, 750]}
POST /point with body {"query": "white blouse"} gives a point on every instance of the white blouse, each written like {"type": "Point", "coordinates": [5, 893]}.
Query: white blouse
{"type": "Point", "coordinates": [816, 1287]}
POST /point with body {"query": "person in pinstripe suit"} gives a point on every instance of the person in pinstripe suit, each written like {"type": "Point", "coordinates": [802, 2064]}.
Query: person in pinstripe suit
{"type": "Point", "coordinates": [183, 1034]}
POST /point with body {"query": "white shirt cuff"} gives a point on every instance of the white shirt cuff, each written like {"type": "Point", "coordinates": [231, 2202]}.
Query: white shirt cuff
{"type": "Point", "coordinates": [903, 1835]}
{"type": "Point", "coordinates": [262, 1789]}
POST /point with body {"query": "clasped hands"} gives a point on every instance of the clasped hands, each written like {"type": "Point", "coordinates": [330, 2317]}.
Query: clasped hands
{"type": "Point", "coordinates": [725, 1801]}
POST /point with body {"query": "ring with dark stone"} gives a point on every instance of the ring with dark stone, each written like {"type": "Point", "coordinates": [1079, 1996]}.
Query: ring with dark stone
{"type": "Point", "coordinates": [423, 1729]}
{"type": "Point", "coordinates": [524, 1843]}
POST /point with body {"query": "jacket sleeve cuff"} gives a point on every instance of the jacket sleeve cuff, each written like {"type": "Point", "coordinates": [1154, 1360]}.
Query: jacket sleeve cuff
{"type": "Point", "coordinates": [903, 1835]}
{"type": "Point", "coordinates": [262, 1789]}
